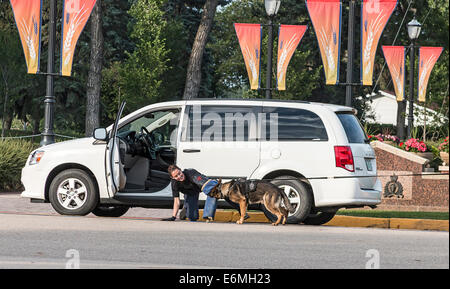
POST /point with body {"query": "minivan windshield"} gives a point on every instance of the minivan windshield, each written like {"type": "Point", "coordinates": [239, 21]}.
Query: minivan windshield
{"type": "Point", "coordinates": [353, 128]}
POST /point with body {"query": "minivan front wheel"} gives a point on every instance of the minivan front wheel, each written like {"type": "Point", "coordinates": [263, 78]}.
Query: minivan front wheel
{"type": "Point", "coordinates": [73, 192]}
{"type": "Point", "coordinates": [299, 196]}
{"type": "Point", "coordinates": [110, 211]}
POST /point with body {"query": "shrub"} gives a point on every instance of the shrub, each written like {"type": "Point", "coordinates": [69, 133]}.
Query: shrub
{"type": "Point", "coordinates": [13, 155]}
{"type": "Point", "coordinates": [443, 147]}
{"type": "Point", "coordinates": [414, 145]}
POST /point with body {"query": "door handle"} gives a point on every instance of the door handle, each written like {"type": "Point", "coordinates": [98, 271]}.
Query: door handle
{"type": "Point", "coordinates": [191, 151]}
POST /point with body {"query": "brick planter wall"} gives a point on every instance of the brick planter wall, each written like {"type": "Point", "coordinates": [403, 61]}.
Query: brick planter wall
{"type": "Point", "coordinates": [420, 193]}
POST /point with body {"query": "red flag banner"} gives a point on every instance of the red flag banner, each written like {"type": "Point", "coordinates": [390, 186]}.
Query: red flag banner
{"type": "Point", "coordinates": [395, 59]}
{"type": "Point", "coordinates": [289, 37]}
{"type": "Point", "coordinates": [427, 58]}
{"type": "Point", "coordinates": [374, 17]}
{"type": "Point", "coordinates": [28, 15]}
{"type": "Point", "coordinates": [326, 19]}
{"type": "Point", "coordinates": [249, 36]}
{"type": "Point", "coordinates": [76, 14]}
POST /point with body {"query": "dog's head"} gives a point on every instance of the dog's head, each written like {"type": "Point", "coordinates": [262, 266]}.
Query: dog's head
{"type": "Point", "coordinates": [222, 190]}
{"type": "Point", "coordinates": [216, 191]}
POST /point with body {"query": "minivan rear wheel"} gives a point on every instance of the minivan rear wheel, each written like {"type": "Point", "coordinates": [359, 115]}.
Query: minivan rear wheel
{"type": "Point", "coordinates": [299, 196]}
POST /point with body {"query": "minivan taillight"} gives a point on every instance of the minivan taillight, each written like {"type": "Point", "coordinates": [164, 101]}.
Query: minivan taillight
{"type": "Point", "coordinates": [344, 158]}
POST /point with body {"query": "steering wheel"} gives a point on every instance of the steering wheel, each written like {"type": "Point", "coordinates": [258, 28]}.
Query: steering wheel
{"type": "Point", "coordinates": [149, 142]}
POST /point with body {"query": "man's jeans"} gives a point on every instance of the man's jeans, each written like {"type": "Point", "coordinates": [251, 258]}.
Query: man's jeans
{"type": "Point", "coordinates": [191, 203]}
{"type": "Point", "coordinates": [209, 211]}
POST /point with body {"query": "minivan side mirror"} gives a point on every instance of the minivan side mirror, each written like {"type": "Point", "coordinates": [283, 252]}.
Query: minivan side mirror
{"type": "Point", "coordinates": [100, 134]}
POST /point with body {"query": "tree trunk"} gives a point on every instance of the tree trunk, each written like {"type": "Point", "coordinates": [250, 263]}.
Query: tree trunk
{"type": "Point", "coordinates": [95, 71]}
{"type": "Point", "coordinates": [194, 73]}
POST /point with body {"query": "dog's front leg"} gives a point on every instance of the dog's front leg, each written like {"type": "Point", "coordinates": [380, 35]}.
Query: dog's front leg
{"type": "Point", "coordinates": [243, 208]}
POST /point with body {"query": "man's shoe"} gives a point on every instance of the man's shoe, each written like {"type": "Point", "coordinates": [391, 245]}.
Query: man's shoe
{"type": "Point", "coordinates": [246, 216]}
{"type": "Point", "coordinates": [209, 220]}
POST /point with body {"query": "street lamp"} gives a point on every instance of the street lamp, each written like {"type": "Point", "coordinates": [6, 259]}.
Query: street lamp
{"type": "Point", "coordinates": [272, 7]}
{"type": "Point", "coordinates": [414, 28]}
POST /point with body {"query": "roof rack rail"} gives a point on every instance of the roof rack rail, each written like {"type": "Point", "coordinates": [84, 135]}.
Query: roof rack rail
{"type": "Point", "coordinates": [251, 99]}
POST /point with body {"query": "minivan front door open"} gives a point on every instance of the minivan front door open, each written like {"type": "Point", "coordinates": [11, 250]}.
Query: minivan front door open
{"type": "Point", "coordinates": [114, 171]}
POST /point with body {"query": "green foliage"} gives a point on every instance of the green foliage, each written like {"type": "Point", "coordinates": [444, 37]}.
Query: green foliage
{"type": "Point", "coordinates": [138, 78]}
{"type": "Point", "coordinates": [148, 44]}
{"type": "Point", "coordinates": [12, 160]}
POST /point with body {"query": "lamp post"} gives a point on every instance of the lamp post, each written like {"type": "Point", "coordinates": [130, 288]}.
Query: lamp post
{"type": "Point", "coordinates": [272, 7]}
{"type": "Point", "coordinates": [48, 136]}
{"type": "Point", "coordinates": [414, 28]}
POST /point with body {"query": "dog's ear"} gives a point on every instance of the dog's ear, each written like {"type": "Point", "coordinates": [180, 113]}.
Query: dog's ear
{"type": "Point", "coordinates": [220, 181]}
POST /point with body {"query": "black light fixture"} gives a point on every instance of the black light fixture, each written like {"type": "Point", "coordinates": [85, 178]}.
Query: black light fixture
{"type": "Point", "coordinates": [414, 28]}
{"type": "Point", "coordinates": [272, 7]}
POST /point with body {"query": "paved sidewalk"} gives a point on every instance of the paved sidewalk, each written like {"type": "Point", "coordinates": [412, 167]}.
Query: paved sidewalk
{"type": "Point", "coordinates": [13, 203]}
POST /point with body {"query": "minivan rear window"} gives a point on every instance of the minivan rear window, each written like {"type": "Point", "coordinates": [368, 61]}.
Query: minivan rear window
{"type": "Point", "coordinates": [293, 124]}
{"type": "Point", "coordinates": [353, 128]}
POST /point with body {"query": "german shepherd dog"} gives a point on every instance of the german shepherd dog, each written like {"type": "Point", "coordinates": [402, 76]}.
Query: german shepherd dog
{"type": "Point", "coordinates": [263, 193]}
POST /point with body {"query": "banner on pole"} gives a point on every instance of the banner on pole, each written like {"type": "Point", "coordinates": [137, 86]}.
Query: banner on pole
{"type": "Point", "coordinates": [249, 36]}
{"type": "Point", "coordinates": [28, 16]}
{"type": "Point", "coordinates": [75, 15]}
{"type": "Point", "coordinates": [395, 59]}
{"type": "Point", "coordinates": [374, 17]}
{"type": "Point", "coordinates": [289, 37]}
{"type": "Point", "coordinates": [427, 58]}
{"type": "Point", "coordinates": [326, 18]}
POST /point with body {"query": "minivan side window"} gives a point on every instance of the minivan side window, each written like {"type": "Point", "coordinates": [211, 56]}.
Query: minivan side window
{"type": "Point", "coordinates": [353, 128]}
{"type": "Point", "coordinates": [290, 124]}
{"type": "Point", "coordinates": [216, 123]}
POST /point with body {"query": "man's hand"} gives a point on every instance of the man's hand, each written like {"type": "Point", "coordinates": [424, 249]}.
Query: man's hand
{"type": "Point", "coordinates": [169, 219]}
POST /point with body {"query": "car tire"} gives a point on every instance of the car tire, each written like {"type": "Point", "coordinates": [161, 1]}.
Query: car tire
{"type": "Point", "coordinates": [73, 192]}
{"type": "Point", "coordinates": [110, 211]}
{"type": "Point", "coordinates": [299, 195]}
{"type": "Point", "coordinates": [319, 218]}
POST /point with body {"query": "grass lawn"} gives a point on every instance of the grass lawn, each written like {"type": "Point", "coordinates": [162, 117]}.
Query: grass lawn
{"type": "Point", "coordinates": [395, 214]}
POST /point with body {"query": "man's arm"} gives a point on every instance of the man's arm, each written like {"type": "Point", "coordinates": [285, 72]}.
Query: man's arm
{"type": "Point", "coordinates": [176, 207]}
{"type": "Point", "coordinates": [176, 202]}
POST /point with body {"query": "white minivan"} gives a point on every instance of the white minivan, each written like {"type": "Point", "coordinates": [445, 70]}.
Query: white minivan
{"type": "Point", "coordinates": [317, 153]}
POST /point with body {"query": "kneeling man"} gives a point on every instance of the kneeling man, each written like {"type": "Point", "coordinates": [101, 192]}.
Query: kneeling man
{"type": "Point", "coordinates": [190, 182]}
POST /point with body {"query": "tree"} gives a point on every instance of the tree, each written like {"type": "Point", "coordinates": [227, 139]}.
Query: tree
{"type": "Point", "coordinates": [193, 77]}
{"type": "Point", "coordinates": [95, 71]}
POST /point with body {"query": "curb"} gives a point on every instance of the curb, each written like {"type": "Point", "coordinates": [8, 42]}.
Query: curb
{"type": "Point", "coordinates": [347, 221]}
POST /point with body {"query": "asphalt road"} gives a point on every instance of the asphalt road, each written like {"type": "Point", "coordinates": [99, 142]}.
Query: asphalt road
{"type": "Point", "coordinates": [39, 241]}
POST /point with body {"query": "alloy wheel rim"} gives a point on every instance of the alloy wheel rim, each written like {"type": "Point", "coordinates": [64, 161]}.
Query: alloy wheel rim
{"type": "Point", "coordinates": [72, 194]}
{"type": "Point", "coordinates": [293, 196]}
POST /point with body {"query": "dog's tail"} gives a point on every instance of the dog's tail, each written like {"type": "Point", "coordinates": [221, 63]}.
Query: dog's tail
{"type": "Point", "coordinates": [286, 201]}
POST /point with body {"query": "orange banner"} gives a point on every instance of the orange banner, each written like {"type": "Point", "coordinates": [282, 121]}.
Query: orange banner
{"type": "Point", "coordinates": [374, 17]}
{"type": "Point", "coordinates": [27, 14]}
{"type": "Point", "coordinates": [76, 14]}
{"type": "Point", "coordinates": [395, 59]}
{"type": "Point", "coordinates": [249, 36]}
{"type": "Point", "coordinates": [289, 37]}
{"type": "Point", "coordinates": [427, 58]}
{"type": "Point", "coordinates": [326, 19]}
